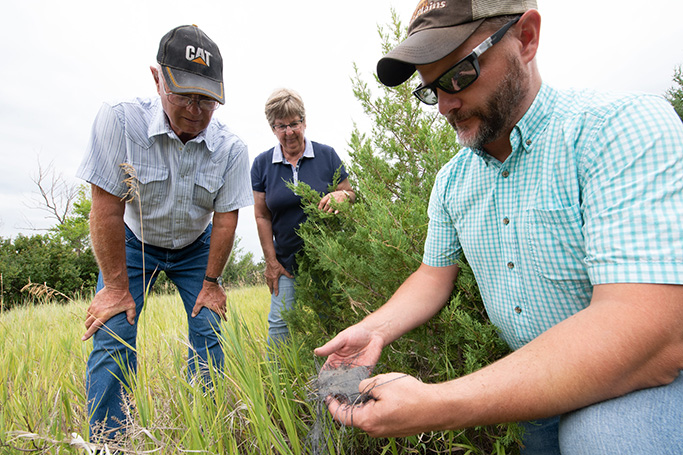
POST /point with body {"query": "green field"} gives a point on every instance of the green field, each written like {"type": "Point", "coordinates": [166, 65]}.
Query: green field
{"type": "Point", "coordinates": [261, 404]}
{"type": "Point", "coordinates": [256, 406]}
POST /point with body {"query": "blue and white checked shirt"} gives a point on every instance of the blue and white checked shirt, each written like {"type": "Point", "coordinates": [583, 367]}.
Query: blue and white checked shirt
{"type": "Point", "coordinates": [180, 185]}
{"type": "Point", "coordinates": [591, 194]}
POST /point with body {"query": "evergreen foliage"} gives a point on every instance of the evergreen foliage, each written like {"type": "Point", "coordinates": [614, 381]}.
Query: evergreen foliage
{"type": "Point", "coordinates": [675, 94]}
{"type": "Point", "coordinates": [353, 261]}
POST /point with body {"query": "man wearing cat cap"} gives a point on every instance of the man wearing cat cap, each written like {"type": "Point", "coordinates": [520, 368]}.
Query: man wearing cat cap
{"type": "Point", "coordinates": [167, 183]}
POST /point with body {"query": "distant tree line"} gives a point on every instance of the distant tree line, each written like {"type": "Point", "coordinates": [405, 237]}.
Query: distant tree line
{"type": "Point", "coordinates": [60, 264]}
{"type": "Point", "coordinates": [57, 265]}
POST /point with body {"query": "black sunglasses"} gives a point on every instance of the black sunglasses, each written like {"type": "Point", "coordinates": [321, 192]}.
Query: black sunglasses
{"type": "Point", "coordinates": [462, 74]}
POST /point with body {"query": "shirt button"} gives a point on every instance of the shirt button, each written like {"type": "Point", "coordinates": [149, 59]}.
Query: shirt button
{"type": "Point", "coordinates": [506, 221]}
{"type": "Point", "coordinates": [518, 310]}
{"type": "Point", "coordinates": [528, 142]}
{"type": "Point", "coordinates": [511, 265]}
{"type": "Point", "coordinates": [505, 174]}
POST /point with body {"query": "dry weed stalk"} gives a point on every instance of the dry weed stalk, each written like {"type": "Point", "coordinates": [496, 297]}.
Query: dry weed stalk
{"type": "Point", "coordinates": [132, 194]}
{"type": "Point", "coordinates": [42, 291]}
{"type": "Point", "coordinates": [131, 182]}
{"type": "Point", "coordinates": [46, 444]}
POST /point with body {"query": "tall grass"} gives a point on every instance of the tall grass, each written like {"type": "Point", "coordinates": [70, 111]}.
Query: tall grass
{"type": "Point", "coordinates": [258, 405]}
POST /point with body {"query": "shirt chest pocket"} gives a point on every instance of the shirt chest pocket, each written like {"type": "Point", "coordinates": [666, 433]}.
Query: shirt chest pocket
{"type": "Point", "coordinates": [152, 182]}
{"type": "Point", "coordinates": [557, 246]}
{"type": "Point", "coordinates": [206, 189]}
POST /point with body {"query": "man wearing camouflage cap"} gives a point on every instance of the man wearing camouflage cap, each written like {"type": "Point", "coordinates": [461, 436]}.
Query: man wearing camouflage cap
{"type": "Point", "coordinates": [167, 182]}
{"type": "Point", "coordinates": [567, 206]}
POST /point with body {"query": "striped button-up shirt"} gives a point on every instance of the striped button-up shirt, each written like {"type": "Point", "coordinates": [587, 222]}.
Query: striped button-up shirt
{"type": "Point", "coordinates": [179, 186]}
{"type": "Point", "coordinates": [591, 194]}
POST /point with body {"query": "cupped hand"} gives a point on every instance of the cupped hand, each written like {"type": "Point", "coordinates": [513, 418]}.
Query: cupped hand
{"type": "Point", "coordinates": [108, 302]}
{"type": "Point", "coordinates": [355, 346]}
{"type": "Point", "coordinates": [398, 407]}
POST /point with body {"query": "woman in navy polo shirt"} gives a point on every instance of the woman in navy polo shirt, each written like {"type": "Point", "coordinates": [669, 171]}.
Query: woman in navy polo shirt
{"type": "Point", "coordinates": [277, 209]}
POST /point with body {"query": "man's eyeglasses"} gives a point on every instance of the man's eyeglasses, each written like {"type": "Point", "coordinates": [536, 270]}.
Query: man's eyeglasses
{"type": "Point", "coordinates": [205, 104]}
{"type": "Point", "coordinates": [462, 74]}
{"type": "Point", "coordinates": [295, 126]}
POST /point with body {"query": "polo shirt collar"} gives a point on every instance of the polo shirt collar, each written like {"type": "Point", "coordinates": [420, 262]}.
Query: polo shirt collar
{"type": "Point", "coordinates": [278, 156]}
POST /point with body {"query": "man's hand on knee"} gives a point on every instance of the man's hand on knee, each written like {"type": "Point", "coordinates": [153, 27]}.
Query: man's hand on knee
{"type": "Point", "coordinates": [108, 302]}
{"type": "Point", "coordinates": [212, 296]}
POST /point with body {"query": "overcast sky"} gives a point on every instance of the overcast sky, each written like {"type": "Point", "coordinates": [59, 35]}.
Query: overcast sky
{"type": "Point", "coordinates": [63, 59]}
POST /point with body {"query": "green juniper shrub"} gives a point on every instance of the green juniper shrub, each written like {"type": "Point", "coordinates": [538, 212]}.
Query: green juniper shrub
{"type": "Point", "coordinates": [675, 94]}
{"type": "Point", "coordinates": [353, 261]}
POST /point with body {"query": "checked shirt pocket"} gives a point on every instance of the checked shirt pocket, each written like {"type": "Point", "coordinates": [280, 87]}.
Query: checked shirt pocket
{"type": "Point", "coordinates": [557, 246]}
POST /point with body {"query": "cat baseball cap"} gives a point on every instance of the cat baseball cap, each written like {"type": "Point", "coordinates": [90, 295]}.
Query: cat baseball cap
{"type": "Point", "coordinates": [191, 63]}
{"type": "Point", "coordinates": [437, 28]}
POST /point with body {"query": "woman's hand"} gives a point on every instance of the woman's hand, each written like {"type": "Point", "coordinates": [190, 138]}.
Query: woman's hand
{"type": "Point", "coordinates": [338, 196]}
{"type": "Point", "coordinates": [273, 271]}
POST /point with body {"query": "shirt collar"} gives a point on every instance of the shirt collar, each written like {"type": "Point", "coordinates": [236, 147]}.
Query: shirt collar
{"type": "Point", "coordinates": [532, 124]}
{"type": "Point", "coordinates": [278, 156]}
{"type": "Point", "coordinates": [159, 125]}
{"type": "Point", "coordinates": [535, 120]}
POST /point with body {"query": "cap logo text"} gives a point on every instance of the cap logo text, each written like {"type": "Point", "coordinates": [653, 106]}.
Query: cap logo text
{"type": "Point", "coordinates": [426, 6]}
{"type": "Point", "coordinates": [198, 55]}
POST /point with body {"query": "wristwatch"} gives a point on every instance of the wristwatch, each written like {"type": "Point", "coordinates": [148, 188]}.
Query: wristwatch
{"type": "Point", "coordinates": [211, 279]}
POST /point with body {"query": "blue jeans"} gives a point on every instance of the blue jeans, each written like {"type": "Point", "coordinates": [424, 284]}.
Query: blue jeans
{"type": "Point", "coordinates": [105, 377]}
{"type": "Point", "coordinates": [648, 421]}
{"type": "Point", "coordinates": [277, 327]}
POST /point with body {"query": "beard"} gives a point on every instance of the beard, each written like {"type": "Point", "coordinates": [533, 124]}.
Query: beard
{"type": "Point", "coordinates": [497, 112]}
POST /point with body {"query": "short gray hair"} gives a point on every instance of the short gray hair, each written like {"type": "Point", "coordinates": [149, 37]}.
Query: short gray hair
{"type": "Point", "coordinates": [284, 103]}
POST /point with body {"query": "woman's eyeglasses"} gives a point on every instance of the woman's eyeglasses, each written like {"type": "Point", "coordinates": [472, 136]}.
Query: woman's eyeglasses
{"type": "Point", "coordinates": [295, 126]}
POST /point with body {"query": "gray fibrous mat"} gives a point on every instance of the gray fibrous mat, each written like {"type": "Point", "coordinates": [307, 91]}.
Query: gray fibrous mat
{"type": "Point", "coordinates": [342, 383]}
